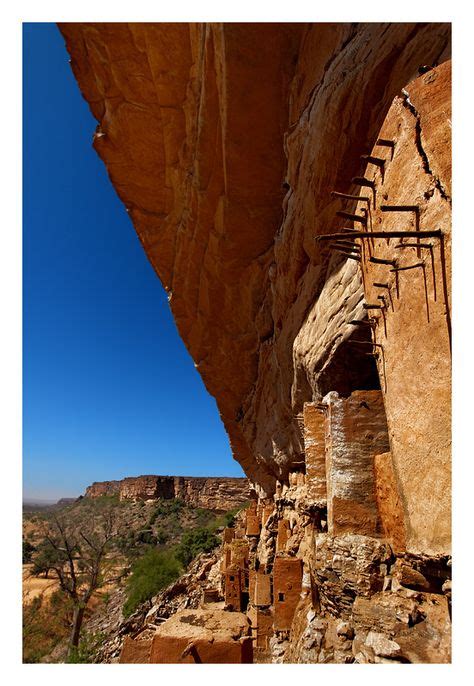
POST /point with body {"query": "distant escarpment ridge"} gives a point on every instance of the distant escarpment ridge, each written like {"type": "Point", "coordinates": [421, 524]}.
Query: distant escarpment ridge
{"type": "Point", "coordinates": [214, 493]}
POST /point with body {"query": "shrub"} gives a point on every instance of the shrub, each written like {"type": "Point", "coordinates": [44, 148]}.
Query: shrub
{"type": "Point", "coordinates": [228, 518]}
{"type": "Point", "coordinates": [87, 648]}
{"type": "Point", "coordinates": [176, 505]}
{"type": "Point", "coordinates": [162, 536]}
{"type": "Point", "coordinates": [165, 507]}
{"type": "Point", "coordinates": [200, 540]}
{"type": "Point", "coordinates": [147, 537]}
{"type": "Point", "coordinates": [103, 501]}
{"type": "Point", "coordinates": [152, 519]}
{"type": "Point", "coordinates": [152, 572]}
{"type": "Point", "coordinates": [204, 517]}
{"type": "Point", "coordinates": [28, 551]}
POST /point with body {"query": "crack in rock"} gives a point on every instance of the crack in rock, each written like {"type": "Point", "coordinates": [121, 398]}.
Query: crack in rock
{"type": "Point", "coordinates": [419, 145]}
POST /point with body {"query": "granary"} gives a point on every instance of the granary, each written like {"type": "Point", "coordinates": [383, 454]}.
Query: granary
{"type": "Point", "coordinates": [239, 552]}
{"type": "Point", "coordinates": [287, 579]}
{"type": "Point", "coordinates": [262, 626]}
{"type": "Point", "coordinates": [260, 592]}
{"type": "Point", "coordinates": [253, 523]}
{"type": "Point", "coordinates": [210, 595]}
{"type": "Point", "coordinates": [267, 511]}
{"type": "Point", "coordinates": [226, 557]}
{"type": "Point", "coordinates": [342, 437]}
{"type": "Point", "coordinates": [283, 534]}
{"type": "Point", "coordinates": [228, 534]}
{"type": "Point", "coordinates": [233, 587]}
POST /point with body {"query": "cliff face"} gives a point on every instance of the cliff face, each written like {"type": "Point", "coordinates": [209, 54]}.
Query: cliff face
{"type": "Point", "coordinates": [291, 185]}
{"type": "Point", "coordinates": [192, 119]}
{"type": "Point", "coordinates": [213, 493]}
{"type": "Point", "coordinates": [200, 126]}
{"type": "Point", "coordinates": [414, 331]}
{"type": "Point", "coordinates": [146, 487]}
{"type": "Point", "coordinates": [100, 488]}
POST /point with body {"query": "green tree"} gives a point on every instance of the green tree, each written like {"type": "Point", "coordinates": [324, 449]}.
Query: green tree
{"type": "Point", "coordinates": [146, 537]}
{"type": "Point", "coordinates": [44, 559]}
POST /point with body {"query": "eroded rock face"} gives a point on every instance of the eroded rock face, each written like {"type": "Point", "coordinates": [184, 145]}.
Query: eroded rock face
{"type": "Point", "coordinates": [100, 488]}
{"type": "Point", "coordinates": [223, 141]}
{"type": "Point", "coordinates": [146, 487]}
{"type": "Point", "coordinates": [213, 493]}
{"type": "Point", "coordinates": [414, 330]}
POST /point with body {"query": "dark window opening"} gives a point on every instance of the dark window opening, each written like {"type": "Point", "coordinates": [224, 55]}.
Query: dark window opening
{"type": "Point", "coordinates": [281, 597]}
{"type": "Point", "coordinates": [351, 368]}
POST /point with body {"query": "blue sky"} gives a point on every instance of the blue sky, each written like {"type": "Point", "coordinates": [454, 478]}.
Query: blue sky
{"type": "Point", "coordinates": [109, 389]}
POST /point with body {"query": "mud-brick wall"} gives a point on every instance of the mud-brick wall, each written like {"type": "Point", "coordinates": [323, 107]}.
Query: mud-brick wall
{"type": "Point", "coordinates": [357, 431]}
{"type": "Point", "coordinates": [287, 579]}
{"type": "Point", "coordinates": [315, 452]}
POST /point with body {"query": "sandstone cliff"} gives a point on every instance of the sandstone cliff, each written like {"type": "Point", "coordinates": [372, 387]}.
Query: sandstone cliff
{"type": "Point", "coordinates": [212, 493]}
{"type": "Point", "coordinates": [100, 488]}
{"type": "Point", "coordinates": [291, 185]}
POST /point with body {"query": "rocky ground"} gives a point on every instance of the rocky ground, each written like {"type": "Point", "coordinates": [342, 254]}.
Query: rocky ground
{"type": "Point", "coordinates": [185, 593]}
{"type": "Point", "coordinates": [360, 602]}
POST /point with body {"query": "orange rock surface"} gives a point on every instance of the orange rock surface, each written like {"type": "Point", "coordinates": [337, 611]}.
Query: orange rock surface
{"type": "Point", "coordinates": [224, 141]}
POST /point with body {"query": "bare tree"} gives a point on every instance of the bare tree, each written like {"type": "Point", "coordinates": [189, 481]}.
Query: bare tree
{"type": "Point", "coordinates": [81, 558]}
